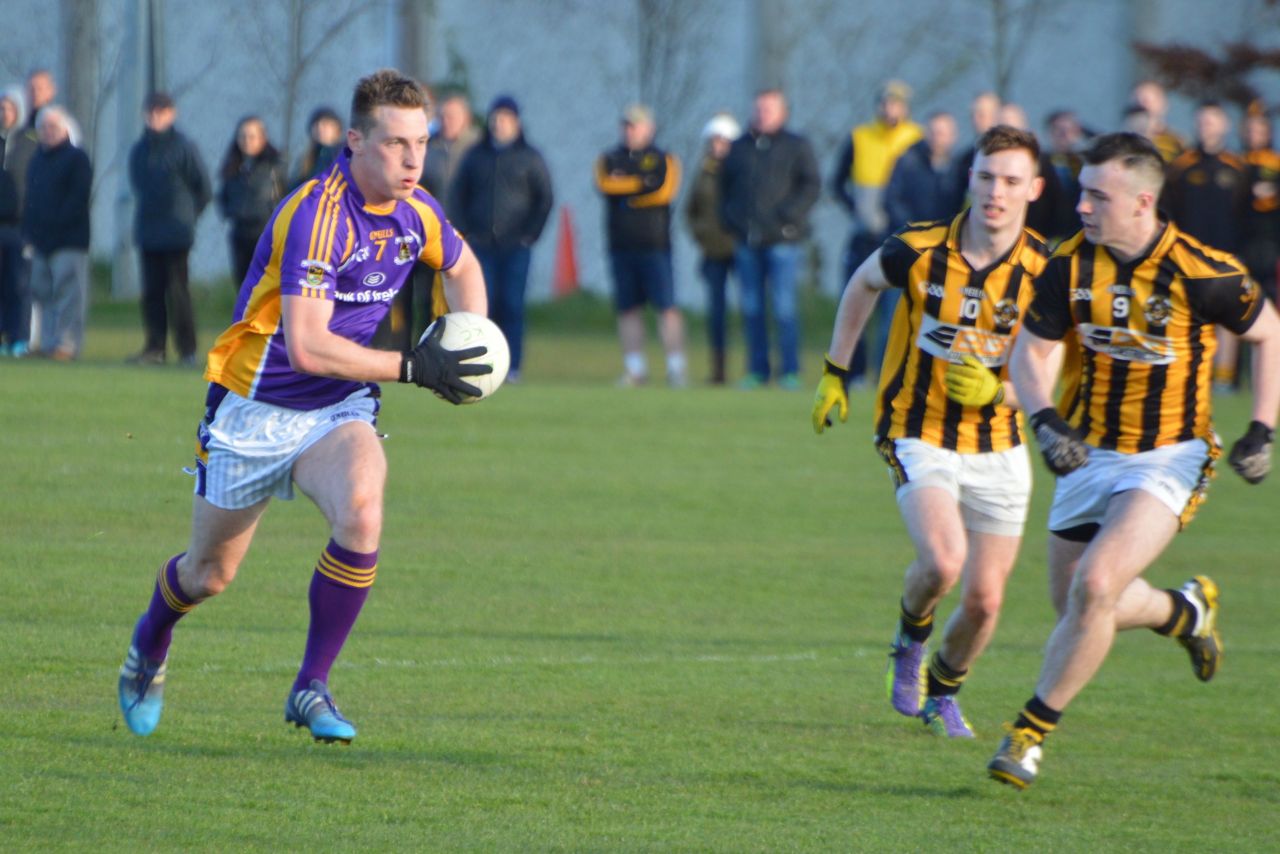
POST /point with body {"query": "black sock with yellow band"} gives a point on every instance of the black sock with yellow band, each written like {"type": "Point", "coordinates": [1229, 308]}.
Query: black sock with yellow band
{"type": "Point", "coordinates": [918, 628]}
{"type": "Point", "coordinates": [943, 679]}
{"type": "Point", "coordinates": [1038, 717]}
{"type": "Point", "coordinates": [1183, 620]}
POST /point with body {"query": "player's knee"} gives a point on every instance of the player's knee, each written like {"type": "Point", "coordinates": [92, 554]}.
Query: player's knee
{"type": "Point", "coordinates": [362, 521]}
{"type": "Point", "coordinates": [1092, 591]}
{"type": "Point", "coordinates": [945, 567]}
{"type": "Point", "coordinates": [982, 606]}
{"type": "Point", "coordinates": [207, 577]}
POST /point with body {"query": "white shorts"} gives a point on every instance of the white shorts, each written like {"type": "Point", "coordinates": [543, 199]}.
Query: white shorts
{"type": "Point", "coordinates": [1178, 475]}
{"type": "Point", "coordinates": [992, 488]}
{"type": "Point", "coordinates": [247, 448]}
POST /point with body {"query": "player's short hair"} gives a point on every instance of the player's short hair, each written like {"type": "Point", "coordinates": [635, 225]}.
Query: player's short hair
{"type": "Point", "coordinates": [1134, 152]}
{"type": "Point", "coordinates": [385, 88]}
{"type": "Point", "coordinates": [1009, 138]}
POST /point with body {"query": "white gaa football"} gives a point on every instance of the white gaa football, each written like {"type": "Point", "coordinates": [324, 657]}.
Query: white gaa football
{"type": "Point", "coordinates": [465, 329]}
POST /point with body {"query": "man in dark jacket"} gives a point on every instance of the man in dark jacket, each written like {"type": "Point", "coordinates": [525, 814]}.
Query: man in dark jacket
{"type": "Point", "coordinates": [639, 181]}
{"type": "Point", "coordinates": [924, 184]}
{"type": "Point", "coordinates": [171, 188]}
{"type": "Point", "coordinates": [1207, 195]}
{"type": "Point", "coordinates": [55, 222]}
{"type": "Point", "coordinates": [768, 185]}
{"type": "Point", "coordinates": [17, 146]}
{"type": "Point", "coordinates": [500, 200]}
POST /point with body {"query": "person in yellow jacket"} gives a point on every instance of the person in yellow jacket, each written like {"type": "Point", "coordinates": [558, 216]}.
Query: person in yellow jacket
{"type": "Point", "coordinates": [861, 176]}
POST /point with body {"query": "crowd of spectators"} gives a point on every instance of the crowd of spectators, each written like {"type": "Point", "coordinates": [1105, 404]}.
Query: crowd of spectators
{"type": "Point", "coordinates": [747, 209]}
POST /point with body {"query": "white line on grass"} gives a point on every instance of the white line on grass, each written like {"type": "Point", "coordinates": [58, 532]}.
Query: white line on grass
{"type": "Point", "coordinates": [505, 661]}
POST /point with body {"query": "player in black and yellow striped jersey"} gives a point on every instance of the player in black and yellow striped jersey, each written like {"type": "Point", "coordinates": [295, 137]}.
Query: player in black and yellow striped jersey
{"type": "Point", "coordinates": [946, 420]}
{"type": "Point", "coordinates": [1137, 446]}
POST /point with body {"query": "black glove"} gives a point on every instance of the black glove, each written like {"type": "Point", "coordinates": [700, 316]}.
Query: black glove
{"type": "Point", "coordinates": [432, 366]}
{"type": "Point", "coordinates": [1061, 447]}
{"type": "Point", "coordinates": [1251, 455]}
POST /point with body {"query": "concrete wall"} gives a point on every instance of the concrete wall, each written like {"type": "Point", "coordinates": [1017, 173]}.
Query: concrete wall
{"type": "Point", "coordinates": [573, 64]}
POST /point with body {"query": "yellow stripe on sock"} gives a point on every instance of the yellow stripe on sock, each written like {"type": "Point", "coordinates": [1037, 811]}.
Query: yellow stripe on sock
{"type": "Point", "coordinates": [346, 574]}
{"type": "Point", "coordinates": [949, 678]}
{"type": "Point", "coordinates": [1039, 722]}
{"type": "Point", "coordinates": [911, 620]}
{"type": "Point", "coordinates": [171, 598]}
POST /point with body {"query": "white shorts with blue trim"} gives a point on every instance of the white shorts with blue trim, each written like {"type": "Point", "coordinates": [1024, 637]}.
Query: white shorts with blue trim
{"type": "Point", "coordinates": [250, 447]}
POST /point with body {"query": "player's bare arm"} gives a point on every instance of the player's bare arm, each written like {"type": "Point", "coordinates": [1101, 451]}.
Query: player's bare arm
{"type": "Point", "coordinates": [856, 305]}
{"type": "Point", "coordinates": [1251, 455]}
{"type": "Point", "coordinates": [464, 284]}
{"type": "Point", "coordinates": [1265, 336]}
{"type": "Point", "coordinates": [314, 349]}
{"type": "Point", "coordinates": [1034, 368]}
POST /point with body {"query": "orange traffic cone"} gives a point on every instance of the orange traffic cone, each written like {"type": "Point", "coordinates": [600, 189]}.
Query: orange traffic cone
{"type": "Point", "coordinates": [564, 278]}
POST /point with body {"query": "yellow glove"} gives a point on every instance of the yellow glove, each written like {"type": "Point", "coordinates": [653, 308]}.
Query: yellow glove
{"type": "Point", "coordinates": [973, 383]}
{"type": "Point", "coordinates": [830, 393]}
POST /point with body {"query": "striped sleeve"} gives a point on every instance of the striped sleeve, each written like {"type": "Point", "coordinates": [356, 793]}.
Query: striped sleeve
{"type": "Point", "coordinates": [896, 258]}
{"type": "Point", "coordinates": [317, 235]}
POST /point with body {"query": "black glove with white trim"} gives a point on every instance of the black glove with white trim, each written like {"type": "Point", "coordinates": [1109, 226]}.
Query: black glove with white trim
{"type": "Point", "coordinates": [1061, 447]}
{"type": "Point", "coordinates": [1251, 455]}
{"type": "Point", "coordinates": [433, 366]}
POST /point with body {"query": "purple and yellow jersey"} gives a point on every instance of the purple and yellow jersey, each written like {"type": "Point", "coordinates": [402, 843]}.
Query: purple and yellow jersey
{"type": "Point", "coordinates": [325, 242]}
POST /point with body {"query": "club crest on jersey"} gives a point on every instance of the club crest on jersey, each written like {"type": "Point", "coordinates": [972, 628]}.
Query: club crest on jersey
{"type": "Point", "coordinates": [1006, 313]}
{"type": "Point", "coordinates": [406, 248]}
{"type": "Point", "coordinates": [315, 276]}
{"type": "Point", "coordinates": [1157, 311]}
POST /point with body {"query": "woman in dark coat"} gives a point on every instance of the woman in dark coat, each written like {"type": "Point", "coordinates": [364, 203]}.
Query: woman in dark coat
{"type": "Point", "coordinates": [253, 178]}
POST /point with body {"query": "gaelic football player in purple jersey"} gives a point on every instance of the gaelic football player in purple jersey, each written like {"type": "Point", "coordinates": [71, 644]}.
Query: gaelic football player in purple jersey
{"type": "Point", "coordinates": [293, 393]}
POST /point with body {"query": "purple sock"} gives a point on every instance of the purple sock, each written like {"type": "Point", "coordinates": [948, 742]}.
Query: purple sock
{"type": "Point", "coordinates": [338, 589]}
{"type": "Point", "coordinates": [168, 605]}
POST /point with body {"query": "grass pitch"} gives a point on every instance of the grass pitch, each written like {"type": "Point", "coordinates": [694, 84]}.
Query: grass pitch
{"type": "Point", "coordinates": [605, 620]}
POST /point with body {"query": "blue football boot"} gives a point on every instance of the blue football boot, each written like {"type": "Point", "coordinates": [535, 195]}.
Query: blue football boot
{"type": "Point", "coordinates": [141, 691]}
{"type": "Point", "coordinates": [313, 707]}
